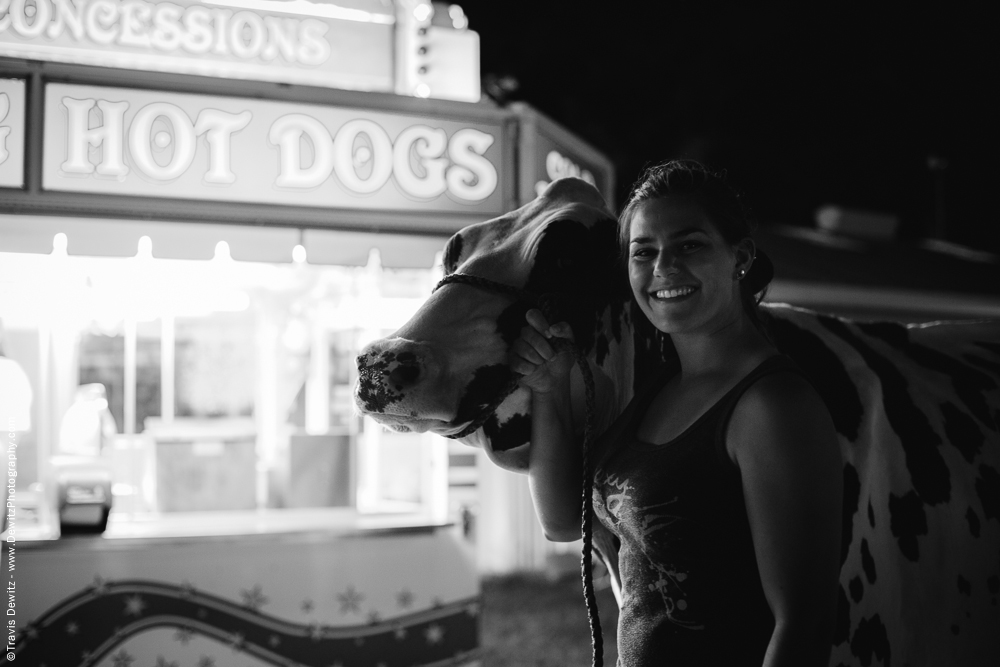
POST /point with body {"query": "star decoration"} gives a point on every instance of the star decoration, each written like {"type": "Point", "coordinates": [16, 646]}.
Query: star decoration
{"type": "Point", "coordinates": [274, 640]}
{"type": "Point", "coordinates": [254, 598]}
{"type": "Point", "coordinates": [373, 617]}
{"type": "Point", "coordinates": [134, 605]}
{"type": "Point", "coordinates": [315, 632]}
{"type": "Point", "coordinates": [184, 635]}
{"type": "Point", "coordinates": [162, 662]}
{"type": "Point", "coordinates": [187, 590]}
{"type": "Point", "coordinates": [400, 633]}
{"type": "Point", "coordinates": [350, 601]}
{"type": "Point", "coordinates": [236, 641]}
{"type": "Point", "coordinates": [206, 661]}
{"type": "Point", "coordinates": [99, 586]}
{"type": "Point", "coordinates": [434, 634]}
{"type": "Point", "coordinates": [472, 609]}
{"type": "Point", "coordinates": [404, 598]}
{"type": "Point", "coordinates": [307, 606]}
{"type": "Point", "coordinates": [122, 659]}
{"type": "Point", "coordinates": [72, 628]}
{"type": "Point", "coordinates": [202, 613]}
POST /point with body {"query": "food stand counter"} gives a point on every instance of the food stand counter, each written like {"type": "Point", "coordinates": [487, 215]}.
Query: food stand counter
{"type": "Point", "coordinates": [294, 587]}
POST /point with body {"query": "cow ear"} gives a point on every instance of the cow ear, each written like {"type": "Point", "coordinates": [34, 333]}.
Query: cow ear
{"type": "Point", "coordinates": [452, 253]}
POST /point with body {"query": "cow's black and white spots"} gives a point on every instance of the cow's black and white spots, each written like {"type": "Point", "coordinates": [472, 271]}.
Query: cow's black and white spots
{"type": "Point", "coordinates": [916, 409]}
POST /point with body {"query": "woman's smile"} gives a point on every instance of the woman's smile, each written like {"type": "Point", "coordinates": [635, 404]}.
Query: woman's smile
{"type": "Point", "coordinates": [673, 294]}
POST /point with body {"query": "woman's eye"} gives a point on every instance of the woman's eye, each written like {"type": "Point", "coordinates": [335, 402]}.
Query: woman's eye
{"type": "Point", "coordinates": [691, 246]}
{"type": "Point", "coordinates": [642, 253]}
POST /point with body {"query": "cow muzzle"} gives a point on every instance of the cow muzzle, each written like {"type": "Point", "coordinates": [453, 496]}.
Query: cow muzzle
{"type": "Point", "coordinates": [388, 373]}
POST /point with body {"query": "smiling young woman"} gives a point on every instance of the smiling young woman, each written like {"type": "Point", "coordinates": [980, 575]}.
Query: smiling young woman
{"type": "Point", "coordinates": [723, 485]}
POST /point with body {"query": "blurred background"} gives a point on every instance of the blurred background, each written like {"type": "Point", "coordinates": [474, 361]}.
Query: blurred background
{"type": "Point", "coordinates": [871, 107]}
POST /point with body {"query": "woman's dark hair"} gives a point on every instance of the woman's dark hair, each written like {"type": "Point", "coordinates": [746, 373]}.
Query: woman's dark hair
{"type": "Point", "coordinates": [724, 206]}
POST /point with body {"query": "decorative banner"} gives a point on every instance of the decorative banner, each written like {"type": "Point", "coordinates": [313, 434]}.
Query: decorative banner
{"type": "Point", "coordinates": [290, 42]}
{"type": "Point", "coordinates": [148, 143]}
{"type": "Point", "coordinates": [98, 622]}
{"type": "Point", "coordinates": [11, 132]}
{"type": "Point", "coordinates": [397, 598]}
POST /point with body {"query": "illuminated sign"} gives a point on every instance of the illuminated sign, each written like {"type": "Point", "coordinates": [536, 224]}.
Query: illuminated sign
{"type": "Point", "coordinates": [291, 41]}
{"type": "Point", "coordinates": [558, 165]}
{"type": "Point", "coordinates": [147, 143]}
{"type": "Point", "coordinates": [11, 132]}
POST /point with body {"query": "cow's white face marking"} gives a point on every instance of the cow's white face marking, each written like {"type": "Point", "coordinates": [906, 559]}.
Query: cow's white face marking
{"type": "Point", "coordinates": [445, 366]}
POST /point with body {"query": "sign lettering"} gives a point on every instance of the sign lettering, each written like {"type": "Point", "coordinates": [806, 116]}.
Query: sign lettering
{"type": "Point", "coordinates": [559, 166]}
{"type": "Point", "coordinates": [167, 27]}
{"type": "Point", "coordinates": [121, 141]}
{"type": "Point", "coordinates": [11, 132]}
{"type": "Point", "coordinates": [289, 47]}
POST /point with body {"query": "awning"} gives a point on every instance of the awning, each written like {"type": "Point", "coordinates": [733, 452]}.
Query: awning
{"type": "Point", "coordinates": [178, 240]}
{"type": "Point", "coordinates": [905, 280]}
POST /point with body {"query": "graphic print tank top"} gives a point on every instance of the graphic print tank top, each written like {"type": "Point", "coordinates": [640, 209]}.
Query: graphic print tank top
{"type": "Point", "coordinates": [690, 585]}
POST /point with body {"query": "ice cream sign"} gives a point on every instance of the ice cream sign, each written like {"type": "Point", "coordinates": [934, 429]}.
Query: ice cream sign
{"type": "Point", "coordinates": [292, 42]}
{"type": "Point", "coordinates": [147, 143]}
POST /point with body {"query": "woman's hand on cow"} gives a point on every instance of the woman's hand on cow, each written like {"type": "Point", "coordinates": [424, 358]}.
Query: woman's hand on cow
{"type": "Point", "coordinates": [536, 356]}
{"type": "Point", "coordinates": [541, 356]}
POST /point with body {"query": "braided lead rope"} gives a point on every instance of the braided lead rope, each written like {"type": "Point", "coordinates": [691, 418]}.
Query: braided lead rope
{"type": "Point", "coordinates": [587, 527]}
{"type": "Point", "coordinates": [586, 559]}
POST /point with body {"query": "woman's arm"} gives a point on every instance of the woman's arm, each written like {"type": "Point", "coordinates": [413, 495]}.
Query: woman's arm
{"type": "Point", "coordinates": [554, 467]}
{"type": "Point", "coordinates": [783, 440]}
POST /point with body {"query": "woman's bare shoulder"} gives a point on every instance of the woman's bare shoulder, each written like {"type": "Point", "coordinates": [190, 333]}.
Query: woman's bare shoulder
{"type": "Point", "coordinates": [781, 410]}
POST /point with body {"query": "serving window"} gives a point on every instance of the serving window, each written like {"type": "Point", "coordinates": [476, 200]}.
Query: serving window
{"type": "Point", "coordinates": [212, 385]}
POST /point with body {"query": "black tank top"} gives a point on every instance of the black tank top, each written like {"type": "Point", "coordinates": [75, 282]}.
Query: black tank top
{"type": "Point", "coordinates": [691, 591]}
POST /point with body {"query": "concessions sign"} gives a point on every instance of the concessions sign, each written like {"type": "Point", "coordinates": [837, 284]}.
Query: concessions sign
{"type": "Point", "coordinates": [149, 143]}
{"type": "Point", "coordinates": [291, 41]}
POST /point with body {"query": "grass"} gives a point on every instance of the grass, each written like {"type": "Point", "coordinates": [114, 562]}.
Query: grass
{"type": "Point", "coordinates": [529, 620]}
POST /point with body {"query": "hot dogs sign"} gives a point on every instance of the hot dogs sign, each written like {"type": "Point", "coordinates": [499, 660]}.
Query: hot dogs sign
{"type": "Point", "coordinates": [148, 143]}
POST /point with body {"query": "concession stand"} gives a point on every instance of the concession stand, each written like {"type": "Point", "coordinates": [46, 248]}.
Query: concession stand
{"type": "Point", "coordinates": [207, 208]}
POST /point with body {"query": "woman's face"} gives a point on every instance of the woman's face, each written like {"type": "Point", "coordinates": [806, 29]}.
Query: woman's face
{"type": "Point", "coordinates": [682, 272]}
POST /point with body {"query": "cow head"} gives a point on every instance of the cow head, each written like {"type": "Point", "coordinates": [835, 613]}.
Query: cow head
{"type": "Point", "coordinates": [442, 370]}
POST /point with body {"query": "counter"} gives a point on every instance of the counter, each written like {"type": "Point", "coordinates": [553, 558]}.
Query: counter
{"type": "Point", "coordinates": [292, 587]}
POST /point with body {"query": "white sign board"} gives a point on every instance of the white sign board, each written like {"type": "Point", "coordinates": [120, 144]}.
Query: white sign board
{"type": "Point", "coordinates": [148, 143]}
{"type": "Point", "coordinates": [286, 41]}
{"type": "Point", "coordinates": [11, 133]}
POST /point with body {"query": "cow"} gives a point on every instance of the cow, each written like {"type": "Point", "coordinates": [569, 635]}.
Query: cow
{"type": "Point", "coordinates": [916, 409]}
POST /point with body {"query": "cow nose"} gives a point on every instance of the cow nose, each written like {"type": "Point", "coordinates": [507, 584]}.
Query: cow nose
{"type": "Point", "coordinates": [406, 373]}
{"type": "Point", "coordinates": [388, 371]}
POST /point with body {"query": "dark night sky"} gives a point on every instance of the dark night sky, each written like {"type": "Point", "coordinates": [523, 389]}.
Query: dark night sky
{"type": "Point", "coordinates": [802, 108]}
